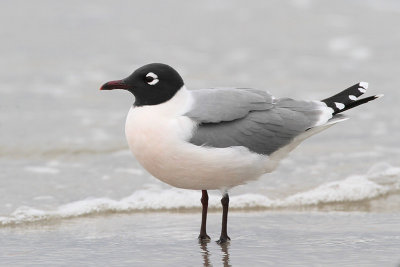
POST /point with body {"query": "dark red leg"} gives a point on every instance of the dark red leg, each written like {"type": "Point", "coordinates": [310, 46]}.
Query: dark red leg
{"type": "Point", "coordinates": [204, 201]}
{"type": "Point", "coordinates": [224, 231]}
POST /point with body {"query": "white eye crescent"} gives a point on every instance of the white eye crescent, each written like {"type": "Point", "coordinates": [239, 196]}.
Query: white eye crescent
{"type": "Point", "coordinates": [151, 78]}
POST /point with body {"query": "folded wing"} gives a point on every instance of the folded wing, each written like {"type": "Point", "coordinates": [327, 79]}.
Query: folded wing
{"type": "Point", "coordinates": [252, 118]}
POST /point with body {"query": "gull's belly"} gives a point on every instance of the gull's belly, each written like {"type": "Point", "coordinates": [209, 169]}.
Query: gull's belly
{"type": "Point", "coordinates": [159, 144]}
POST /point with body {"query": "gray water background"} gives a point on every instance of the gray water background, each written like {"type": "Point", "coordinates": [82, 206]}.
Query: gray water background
{"type": "Point", "coordinates": [55, 56]}
{"type": "Point", "coordinates": [62, 140]}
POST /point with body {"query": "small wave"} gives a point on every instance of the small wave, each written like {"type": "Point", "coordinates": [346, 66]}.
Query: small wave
{"type": "Point", "coordinates": [51, 152]}
{"type": "Point", "coordinates": [352, 189]}
{"type": "Point", "coordinates": [42, 170]}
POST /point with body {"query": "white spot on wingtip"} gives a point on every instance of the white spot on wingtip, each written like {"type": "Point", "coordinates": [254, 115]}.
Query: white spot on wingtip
{"type": "Point", "coordinates": [364, 85]}
{"type": "Point", "coordinates": [339, 105]}
{"type": "Point", "coordinates": [352, 97]}
{"type": "Point", "coordinates": [362, 90]}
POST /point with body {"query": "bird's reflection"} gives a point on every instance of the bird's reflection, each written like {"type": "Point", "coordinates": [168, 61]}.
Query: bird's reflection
{"type": "Point", "coordinates": [225, 254]}
{"type": "Point", "coordinates": [206, 253]}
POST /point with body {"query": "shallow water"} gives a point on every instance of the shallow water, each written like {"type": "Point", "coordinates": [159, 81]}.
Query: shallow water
{"type": "Point", "coordinates": [63, 153]}
{"type": "Point", "coordinates": [259, 239]}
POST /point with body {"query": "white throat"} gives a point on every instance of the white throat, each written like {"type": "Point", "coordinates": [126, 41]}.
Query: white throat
{"type": "Point", "coordinates": [178, 105]}
{"type": "Point", "coordinates": [148, 126]}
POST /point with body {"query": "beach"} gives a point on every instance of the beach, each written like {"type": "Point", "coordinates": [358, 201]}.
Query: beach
{"type": "Point", "coordinates": [71, 192]}
{"type": "Point", "coordinates": [169, 239]}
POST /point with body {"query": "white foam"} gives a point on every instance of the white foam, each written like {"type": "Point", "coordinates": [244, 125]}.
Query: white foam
{"type": "Point", "coordinates": [42, 169]}
{"type": "Point", "coordinates": [380, 180]}
{"type": "Point", "coordinates": [354, 188]}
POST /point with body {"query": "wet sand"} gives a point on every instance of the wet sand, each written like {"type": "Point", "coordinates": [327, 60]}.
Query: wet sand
{"type": "Point", "coordinates": [170, 239]}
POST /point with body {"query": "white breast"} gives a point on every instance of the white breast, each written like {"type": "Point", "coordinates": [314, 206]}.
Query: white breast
{"type": "Point", "coordinates": [157, 135]}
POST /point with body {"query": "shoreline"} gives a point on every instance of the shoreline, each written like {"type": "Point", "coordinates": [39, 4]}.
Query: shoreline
{"type": "Point", "coordinates": [258, 238]}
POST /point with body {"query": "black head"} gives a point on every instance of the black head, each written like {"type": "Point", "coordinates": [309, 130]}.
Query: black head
{"type": "Point", "coordinates": [151, 84]}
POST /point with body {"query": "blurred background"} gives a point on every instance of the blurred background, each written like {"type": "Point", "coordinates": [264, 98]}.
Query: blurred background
{"type": "Point", "coordinates": [62, 140]}
{"type": "Point", "coordinates": [334, 201]}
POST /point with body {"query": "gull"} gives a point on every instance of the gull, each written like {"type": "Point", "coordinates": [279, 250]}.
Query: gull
{"type": "Point", "coordinates": [219, 138]}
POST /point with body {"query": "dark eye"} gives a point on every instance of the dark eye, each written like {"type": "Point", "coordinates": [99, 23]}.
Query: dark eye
{"type": "Point", "coordinates": [151, 78]}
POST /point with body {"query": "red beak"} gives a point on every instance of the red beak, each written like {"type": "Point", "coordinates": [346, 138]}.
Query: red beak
{"type": "Point", "coordinates": [120, 84]}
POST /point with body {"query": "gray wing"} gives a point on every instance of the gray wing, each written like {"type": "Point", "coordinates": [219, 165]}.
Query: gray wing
{"type": "Point", "coordinates": [227, 104]}
{"type": "Point", "coordinates": [261, 127]}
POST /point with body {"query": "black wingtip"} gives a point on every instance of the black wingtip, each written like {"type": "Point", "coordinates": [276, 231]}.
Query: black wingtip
{"type": "Point", "coordinates": [345, 98]}
{"type": "Point", "coordinates": [359, 102]}
{"type": "Point", "coordinates": [349, 98]}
